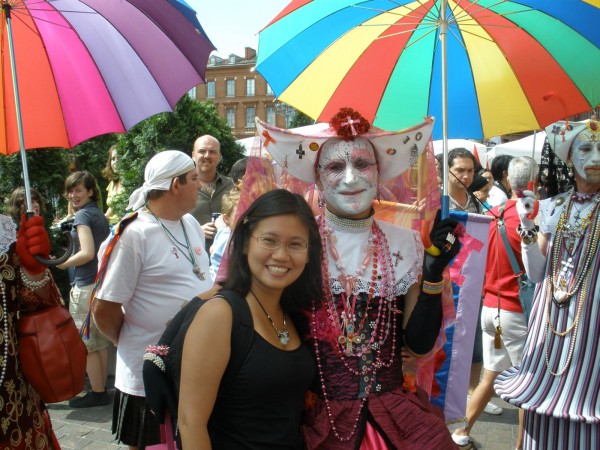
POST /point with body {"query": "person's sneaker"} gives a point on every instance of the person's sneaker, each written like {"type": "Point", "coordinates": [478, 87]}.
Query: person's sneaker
{"type": "Point", "coordinates": [90, 399]}
{"type": "Point", "coordinates": [490, 408]}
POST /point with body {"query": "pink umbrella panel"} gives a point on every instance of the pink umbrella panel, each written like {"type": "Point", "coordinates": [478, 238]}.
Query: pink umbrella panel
{"type": "Point", "coordinates": [86, 68]}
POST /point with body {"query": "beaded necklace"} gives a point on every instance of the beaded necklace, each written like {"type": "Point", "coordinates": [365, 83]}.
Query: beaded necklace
{"type": "Point", "coordinates": [564, 283]}
{"type": "Point", "coordinates": [5, 330]}
{"type": "Point", "coordinates": [184, 248]}
{"type": "Point", "coordinates": [579, 282]}
{"type": "Point", "coordinates": [384, 323]}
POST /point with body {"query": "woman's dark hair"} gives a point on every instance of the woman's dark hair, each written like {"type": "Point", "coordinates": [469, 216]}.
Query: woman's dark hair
{"type": "Point", "coordinates": [307, 287]}
{"type": "Point", "coordinates": [84, 178]}
{"type": "Point", "coordinates": [17, 202]}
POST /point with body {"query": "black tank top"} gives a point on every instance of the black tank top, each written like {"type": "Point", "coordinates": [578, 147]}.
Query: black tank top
{"type": "Point", "coordinates": [262, 408]}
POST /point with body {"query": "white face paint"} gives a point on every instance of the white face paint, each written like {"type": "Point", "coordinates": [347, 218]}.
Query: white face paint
{"type": "Point", "coordinates": [348, 175]}
{"type": "Point", "coordinates": [585, 155]}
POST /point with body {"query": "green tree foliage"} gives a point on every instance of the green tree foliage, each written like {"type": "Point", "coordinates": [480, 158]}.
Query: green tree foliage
{"type": "Point", "coordinates": [48, 168]}
{"type": "Point", "coordinates": [178, 131]}
{"type": "Point", "coordinates": [300, 119]}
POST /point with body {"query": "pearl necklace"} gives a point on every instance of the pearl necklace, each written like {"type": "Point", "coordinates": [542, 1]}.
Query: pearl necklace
{"type": "Point", "coordinates": [558, 279]}
{"type": "Point", "coordinates": [5, 320]}
{"type": "Point", "coordinates": [581, 284]}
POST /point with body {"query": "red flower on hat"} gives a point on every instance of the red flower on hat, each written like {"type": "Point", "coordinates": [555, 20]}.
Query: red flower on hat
{"type": "Point", "coordinates": [348, 124]}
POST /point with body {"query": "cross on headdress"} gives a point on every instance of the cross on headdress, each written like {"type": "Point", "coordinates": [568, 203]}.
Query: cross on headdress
{"type": "Point", "coordinates": [351, 122]}
{"type": "Point", "coordinates": [299, 151]}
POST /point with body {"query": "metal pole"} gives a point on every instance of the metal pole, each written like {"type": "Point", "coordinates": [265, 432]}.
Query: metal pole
{"type": "Point", "coordinates": [7, 9]}
{"type": "Point", "coordinates": [443, 34]}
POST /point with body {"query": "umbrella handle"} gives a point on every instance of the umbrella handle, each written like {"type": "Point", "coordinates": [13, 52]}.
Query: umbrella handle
{"type": "Point", "coordinates": [63, 258]}
{"type": "Point", "coordinates": [536, 205]}
{"type": "Point", "coordinates": [426, 239]}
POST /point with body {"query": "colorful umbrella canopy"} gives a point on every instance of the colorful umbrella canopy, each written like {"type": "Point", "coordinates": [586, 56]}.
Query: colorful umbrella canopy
{"type": "Point", "coordinates": [511, 66]}
{"type": "Point", "coordinates": [91, 67]}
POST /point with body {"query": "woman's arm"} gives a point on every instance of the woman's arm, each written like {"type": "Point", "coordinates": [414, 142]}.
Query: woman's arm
{"type": "Point", "coordinates": [87, 248]}
{"type": "Point", "coordinates": [202, 367]}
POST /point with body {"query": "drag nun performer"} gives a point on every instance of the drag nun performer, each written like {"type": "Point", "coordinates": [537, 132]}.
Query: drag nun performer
{"type": "Point", "coordinates": [383, 292]}
{"type": "Point", "coordinates": [558, 381]}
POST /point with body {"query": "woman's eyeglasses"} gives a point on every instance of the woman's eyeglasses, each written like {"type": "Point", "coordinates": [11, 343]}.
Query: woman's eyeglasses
{"type": "Point", "coordinates": [269, 243]}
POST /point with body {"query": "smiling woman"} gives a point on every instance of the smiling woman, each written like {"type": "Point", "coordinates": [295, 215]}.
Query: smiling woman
{"type": "Point", "coordinates": [90, 228]}
{"type": "Point", "coordinates": [274, 268]}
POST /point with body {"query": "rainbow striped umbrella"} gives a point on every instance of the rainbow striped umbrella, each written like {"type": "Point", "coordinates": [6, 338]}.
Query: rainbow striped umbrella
{"type": "Point", "coordinates": [74, 69]}
{"type": "Point", "coordinates": [505, 66]}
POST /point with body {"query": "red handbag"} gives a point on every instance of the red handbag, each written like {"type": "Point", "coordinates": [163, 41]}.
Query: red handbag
{"type": "Point", "coordinates": [52, 354]}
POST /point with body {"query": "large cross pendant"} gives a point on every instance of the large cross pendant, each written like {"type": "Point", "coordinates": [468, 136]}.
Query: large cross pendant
{"type": "Point", "coordinates": [566, 266]}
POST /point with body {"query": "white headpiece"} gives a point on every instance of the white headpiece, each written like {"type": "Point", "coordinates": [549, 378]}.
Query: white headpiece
{"type": "Point", "coordinates": [297, 152]}
{"type": "Point", "coordinates": [561, 135]}
{"type": "Point", "coordinates": [159, 174]}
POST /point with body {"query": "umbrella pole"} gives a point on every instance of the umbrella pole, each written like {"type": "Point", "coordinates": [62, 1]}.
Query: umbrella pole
{"type": "Point", "coordinates": [443, 34]}
{"type": "Point", "coordinates": [7, 10]}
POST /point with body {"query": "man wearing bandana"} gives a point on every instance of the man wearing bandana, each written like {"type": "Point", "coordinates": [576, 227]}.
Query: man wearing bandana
{"type": "Point", "coordinates": [157, 264]}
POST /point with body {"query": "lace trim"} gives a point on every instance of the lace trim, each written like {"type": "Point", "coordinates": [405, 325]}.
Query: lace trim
{"type": "Point", "coordinates": [8, 233]}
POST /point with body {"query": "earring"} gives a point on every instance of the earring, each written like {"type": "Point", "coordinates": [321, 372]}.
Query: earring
{"type": "Point", "coordinates": [378, 196]}
{"type": "Point", "coordinates": [321, 202]}
{"type": "Point", "coordinates": [570, 170]}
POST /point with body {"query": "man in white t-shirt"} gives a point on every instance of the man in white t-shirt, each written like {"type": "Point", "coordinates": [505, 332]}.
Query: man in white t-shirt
{"type": "Point", "coordinates": [156, 266]}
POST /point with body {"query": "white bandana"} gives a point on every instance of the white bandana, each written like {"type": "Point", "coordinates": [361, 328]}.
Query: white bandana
{"type": "Point", "coordinates": [159, 174]}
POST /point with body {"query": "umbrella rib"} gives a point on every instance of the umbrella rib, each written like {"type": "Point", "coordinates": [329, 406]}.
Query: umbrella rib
{"type": "Point", "coordinates": [412, 10]}
{"type": "Point", "coordinates": [465, 13]}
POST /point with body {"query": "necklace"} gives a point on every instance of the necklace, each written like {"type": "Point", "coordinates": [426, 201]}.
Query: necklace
{"type": "Point", "coordinates": [567, 280]}
{"type": "Point", "coordinates": [5, 331]}
{"type": "Point", "coordinates": [384, 324]}
{"type": "Point", "coordinates": [283, 336]}
{"type": "Point", "coordinates": [184, 248]}
{"type": "Point", "coordinates": [578, 283]}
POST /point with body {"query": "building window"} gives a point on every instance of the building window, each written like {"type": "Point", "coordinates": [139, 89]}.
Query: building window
{"type": "Point", "coordinates": [230, 113]}
{"type": "Point", "coordinates": [210, 89]}
{"type": "Point", "coordinates": [250, 114]}
{"type": "Point", "coordinates": [269, 90]}
{"type": "Point", "coordinates": [250, 83]}
{"type": "Point", "coordinates": [192, 93]}
{"type": "Point", "coordinates": [271, 115]}
{"type": "Point", "coordinates": [231, 87]}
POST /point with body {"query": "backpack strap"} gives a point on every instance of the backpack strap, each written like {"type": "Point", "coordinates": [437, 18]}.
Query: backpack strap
{"type": "Point", "coordinates": [509, 251]}
{"type": "Point", "coordinates": [242, 332]}
{"type": "Point", "coordinates": [118, 230]}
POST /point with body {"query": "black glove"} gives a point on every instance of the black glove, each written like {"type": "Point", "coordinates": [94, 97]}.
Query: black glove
{"type": "Point", "coordinates": [443, 238]}
{"type": "Point", "coordinates": [160, 394]}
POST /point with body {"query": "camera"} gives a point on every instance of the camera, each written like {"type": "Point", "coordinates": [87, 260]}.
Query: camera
{"type": "Point", "coordinates": [66, 225]}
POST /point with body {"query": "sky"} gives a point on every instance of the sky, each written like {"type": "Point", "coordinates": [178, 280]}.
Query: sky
{"type": "Point", "coordinates": [233, 25]}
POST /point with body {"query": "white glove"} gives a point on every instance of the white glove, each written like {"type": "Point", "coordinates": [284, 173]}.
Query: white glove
{"type": "Point", "coordinates": [524, 208]}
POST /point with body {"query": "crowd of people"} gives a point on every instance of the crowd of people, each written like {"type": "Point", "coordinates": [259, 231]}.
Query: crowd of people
{"type": "Point", "coordinates": [344, 301]}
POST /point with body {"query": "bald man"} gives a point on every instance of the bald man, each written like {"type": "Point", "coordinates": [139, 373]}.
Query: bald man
{"type": "Point", "coordinates": [213, 185]}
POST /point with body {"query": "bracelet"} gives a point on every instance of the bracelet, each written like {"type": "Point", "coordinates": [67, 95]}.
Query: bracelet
{"type": "Point", "coordinates": [156, 360]}
{"type": "Point", "coordinates": [523, 233]}
{"type": "Point", "coordinates": [432, 288]}
{"type": "Point", "coordinates": [529, 240]}
{"type": "Point", "coordinates": [31, 284]}
{"type": "Point", "coordinates": [433, 250]}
